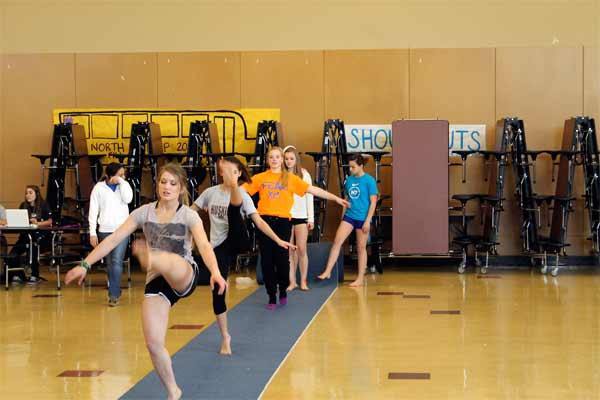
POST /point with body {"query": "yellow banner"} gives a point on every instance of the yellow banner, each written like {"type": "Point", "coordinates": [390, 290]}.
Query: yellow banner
{"type": "Point", "coordinates": [109, 130]}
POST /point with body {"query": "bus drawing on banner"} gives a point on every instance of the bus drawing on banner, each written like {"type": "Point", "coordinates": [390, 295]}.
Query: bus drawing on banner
{"type": "Point", "coordinates": [108, 130]}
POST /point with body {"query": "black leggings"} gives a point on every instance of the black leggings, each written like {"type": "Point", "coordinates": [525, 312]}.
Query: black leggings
{"type": "Point", "coordinates": [275, 260]}
{"type": "Point", "coordinates": [227, 252]}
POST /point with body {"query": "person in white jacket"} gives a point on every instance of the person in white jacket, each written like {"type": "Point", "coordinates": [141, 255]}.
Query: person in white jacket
{"type": "Point", "coordinates": [303, 220]}
{"type": "Point", "coordinates": [108, 210]}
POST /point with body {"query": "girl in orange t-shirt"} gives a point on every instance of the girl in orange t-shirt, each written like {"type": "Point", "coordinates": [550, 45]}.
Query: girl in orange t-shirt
{"type": "Point", "coordinates": [276, 188]}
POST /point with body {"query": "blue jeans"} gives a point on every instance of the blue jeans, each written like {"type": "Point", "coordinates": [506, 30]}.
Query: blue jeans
{"type": "Point", "coordinates": [114, 265]}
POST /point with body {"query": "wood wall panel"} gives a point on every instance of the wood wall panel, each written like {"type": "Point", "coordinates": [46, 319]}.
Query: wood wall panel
{"type": "Point", "coordinates": [116, 80]}
{"type": "Point", "coordinates": [366, 87]}
{"type": "Point", "coordinates": [2, 67]}
{"type": "Point", "coordinates": [207, 80]}
{"type": "Point", "coordinates": [293, 82]}
{"type": "Point", "coordinates": [456, 85]}
{"type": "Point", "coordinates": [33, 86]}
{"type": "Point", "coordinates": [591, 107]}
{"type": "Point", "coordinates": [591, 82]}
{"type": "Point", "coordinates": [453, 84]}
{"type": "Point", "coordinates": [542, 86]}
{"type": "Point", "coordinates": [132, 25]}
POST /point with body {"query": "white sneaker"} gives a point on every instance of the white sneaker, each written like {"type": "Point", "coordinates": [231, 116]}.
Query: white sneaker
{"type": "Point", "coordinates": [33, 280]}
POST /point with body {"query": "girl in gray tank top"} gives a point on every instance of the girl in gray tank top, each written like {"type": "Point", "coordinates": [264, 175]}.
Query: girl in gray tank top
{"type": "Point", "coordinates": [169, 226]}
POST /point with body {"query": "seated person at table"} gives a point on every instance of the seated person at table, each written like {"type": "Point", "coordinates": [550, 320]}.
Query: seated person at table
{"type": "Point", "coordinates": [40, 215]}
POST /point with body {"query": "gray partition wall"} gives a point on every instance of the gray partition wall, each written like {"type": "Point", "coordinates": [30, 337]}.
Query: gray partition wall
{"type": "Point", "coordinates": [420, 176]}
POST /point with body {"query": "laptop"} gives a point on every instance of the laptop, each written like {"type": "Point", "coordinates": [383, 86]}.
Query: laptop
{"type": "Point", "coordinates": [17, 218]}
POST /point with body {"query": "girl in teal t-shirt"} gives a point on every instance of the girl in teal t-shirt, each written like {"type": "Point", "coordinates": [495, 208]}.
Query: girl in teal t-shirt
{"type": "Point", "coordinates": [361, 192]}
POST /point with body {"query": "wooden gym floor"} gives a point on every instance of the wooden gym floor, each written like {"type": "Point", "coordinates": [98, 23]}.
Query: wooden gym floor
{"type": "Point", "coordinates": [408, 334]}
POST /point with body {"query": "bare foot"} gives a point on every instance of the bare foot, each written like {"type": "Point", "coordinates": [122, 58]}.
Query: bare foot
{"type": "Point", "coordinates": [324, 276]}
{"type": "Point", "coordinates": [304, 286]}
{"type": "Point", "coordinates": [357, 283]}
{"type": "Point", "coordinates": [176, 395]}
{"type": "Point", "coordinates": [226, 346]}
{"type": "Point", "coordinates": [291, 287]}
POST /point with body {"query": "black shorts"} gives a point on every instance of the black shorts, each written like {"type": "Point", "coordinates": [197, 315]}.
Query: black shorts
{"type": "Point", "coordinates": [299, 221]}
{"type": "Point", "coordinates": [160, 287]}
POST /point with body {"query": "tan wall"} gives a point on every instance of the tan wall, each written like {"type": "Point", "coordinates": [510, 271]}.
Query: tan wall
{"type": "Point", "coordinates": [543, 86]}
{"type": "Point", "coordinates": [2, 27]}
{"type": "Point", "coordinates": [291, 81]}
{"type": "Point", "coordinates": [591, 76]}
{"type": "Point", "coordinates": [208, 80]}
{"type": "Point", "coordinates": [163, 25]}
{"type": "Point", "coordinates": [1, 101]}
{"type": "Point", "coordinates": [102, 56]}
{"type": "Point", "coordinates": [457, 85]}
{"type": "Point", "coordinates": [32, 87]}
{"type": "Point", "coordinates": [1, 125]}
{"type": "Point", "coordinates": [383, 94]}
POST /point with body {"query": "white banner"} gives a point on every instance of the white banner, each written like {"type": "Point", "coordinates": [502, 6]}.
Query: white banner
{"type": "Point", "coordinates": [466, 137]}
{"type": "Point", "coordinates": [379, 137]}
{"type": "Point", "coordinates": [369, 138]}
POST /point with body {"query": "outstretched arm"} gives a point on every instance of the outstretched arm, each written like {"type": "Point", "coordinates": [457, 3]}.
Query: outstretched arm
{"type": "Point", "coordinates": [266, 229]}
{"type": "Point", "coordinates": [317, 191]}
{"type": "Point", "coordinates": [103, 248]}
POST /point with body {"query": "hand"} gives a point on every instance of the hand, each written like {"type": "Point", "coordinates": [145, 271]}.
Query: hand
{"type": "Point", "coordinates": [310, 226]}
{"type": "Point", "coordinates": [33, 221]}
{"type": "Point", "coordinates": [94, 241]}
{"type": "Point", "coordinates": [218, 279]}
{"type": "Point", "coordinates": [366, 228]}
{"type": "Point", "coordinates": [286, 245]}
{"type": "Point", "coordinates": [342, 202]}
{"type": "Point", "coordinates": [230, 174]}
{"type": "Point", "coordinates": [76, 274]}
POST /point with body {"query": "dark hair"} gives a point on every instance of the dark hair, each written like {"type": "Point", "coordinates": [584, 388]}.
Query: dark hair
{"type": "Point", "coordinates": [112, 169]}
{"type": "Point", "coordinates": [37, 205]}
{"type": "Point", "coordinates": [244, 175]}
{"type": "Point", "coordinates": [357, 158]}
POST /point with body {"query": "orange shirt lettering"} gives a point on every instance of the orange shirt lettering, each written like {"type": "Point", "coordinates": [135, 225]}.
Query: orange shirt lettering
{"type": "Point", "coordinates": [274, 199]}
